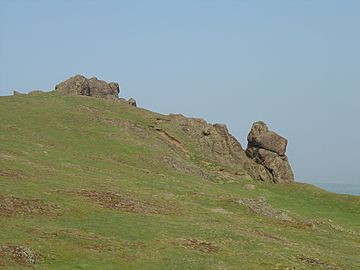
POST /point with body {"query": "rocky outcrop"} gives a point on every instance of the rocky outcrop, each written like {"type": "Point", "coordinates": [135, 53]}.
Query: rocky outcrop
{"type": "Point", "coordinates": [264, 158]}
{"type": "Point", "coordinates": [80, 85]}
{"type": "Point", "coordinates": [215, 141]}
{"type": "Point", "coordinates": [268, 149]}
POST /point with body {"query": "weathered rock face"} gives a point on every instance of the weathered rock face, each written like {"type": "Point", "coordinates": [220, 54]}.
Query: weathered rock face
{"type": "Point", "coordinates": [214, 141]}
{"type": "Point", "coordinates": [263, 160]}
{"type": "Point", "coordinates": [80, 85]}
{"type": "Point", "coordinates": [268, 149]}
{"type": "Point", "coordinates": [261, 137]}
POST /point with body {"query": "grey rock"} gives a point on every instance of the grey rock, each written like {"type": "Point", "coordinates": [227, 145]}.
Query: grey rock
{"type": "Point", "coordinates": [267, 149]}
{"type": "Point", "coordinates": [260, 136]}
{"type": "Point", "coordinates": [213, 142]}
{"type": "Point", "coordinates": [80, 85]}
{"type": "Point", "coordinates": [132, 102]}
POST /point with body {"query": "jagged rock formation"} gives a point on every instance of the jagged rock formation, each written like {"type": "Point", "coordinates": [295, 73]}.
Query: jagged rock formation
{"type": "Point", "coordinates": [80, 85]}
{"type": "Point", "coordinates": [263, 160]}
{"type": "Point", "coordinates": [268, 149]}
{"type": "Point", "coordinates": [215, 141]}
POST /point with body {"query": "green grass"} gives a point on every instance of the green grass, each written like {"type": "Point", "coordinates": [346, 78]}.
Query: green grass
{"type": "Point", "coordinates": [54, 146]}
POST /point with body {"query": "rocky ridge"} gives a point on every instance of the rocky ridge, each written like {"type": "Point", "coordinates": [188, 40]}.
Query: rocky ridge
{"type": "Point", "coordinates": [264, 158]}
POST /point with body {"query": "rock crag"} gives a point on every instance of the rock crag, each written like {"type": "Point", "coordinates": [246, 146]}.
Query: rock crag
{"type": "Point", "coordinates": [268, 149]}
{"type": "Point", "coordinates": [264, 158]}
{"type": "Point", "coordinates": [80, 85]}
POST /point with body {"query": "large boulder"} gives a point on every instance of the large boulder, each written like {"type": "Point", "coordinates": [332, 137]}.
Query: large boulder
{"type": "Point", "coordinates": [260, 136]}
{"type": "Point", "coordinates": [267, 149]}
{"type": "Point", "coordinates": [80, 85]}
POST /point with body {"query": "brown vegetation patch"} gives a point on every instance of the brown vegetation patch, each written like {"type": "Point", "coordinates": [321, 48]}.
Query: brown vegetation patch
{"type": "Point", "coordinates": [13, 206]}
{"type": "Point", "coordinates": [116, 201]}
{"type": "Point", "coordinates": [261, 207]}
{"type": "Point", "coordinates": [11, 173]}
{"type": "Point", "coordinates": [170, 139]}
{"type": "Point", "coordinates": [317, 263]}
{"type": "Point", "coordinates": [99, 246]}
{"type": "Point", "coordinates": [161, 119]}
{"type": "Point", "coordinates": [270, 236]}
{"type": "Point", "coordinates": [19, 254]}
{"type": "Point", "coordinates": [200, 245]}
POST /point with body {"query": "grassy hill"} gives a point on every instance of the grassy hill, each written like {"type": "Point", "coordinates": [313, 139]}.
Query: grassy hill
{"type": "Point", "coordinates": [86, 183]}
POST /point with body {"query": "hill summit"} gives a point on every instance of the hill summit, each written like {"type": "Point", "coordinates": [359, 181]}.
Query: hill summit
{"type": "Point", "coordinates": [264, 158]}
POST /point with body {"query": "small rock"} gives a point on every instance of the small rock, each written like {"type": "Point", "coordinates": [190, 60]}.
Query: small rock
{"type": "Point", "coordinates": [206, 131]}
{"type": "Point", "coordinates": [132, 102]}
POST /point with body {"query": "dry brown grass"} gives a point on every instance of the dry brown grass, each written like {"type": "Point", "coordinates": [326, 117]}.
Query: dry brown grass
{"type": "Point", "coordinates": [196, 244]}
{"type": "Point", "coordinates": [123, 202]}
{"type": "Point", "coordinates": [13, 206]}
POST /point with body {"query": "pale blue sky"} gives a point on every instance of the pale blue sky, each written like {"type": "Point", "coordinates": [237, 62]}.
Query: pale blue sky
{"type": "Point", "coordinates": [293, 64]}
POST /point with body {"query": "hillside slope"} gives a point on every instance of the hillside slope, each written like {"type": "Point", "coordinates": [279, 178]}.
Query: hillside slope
{"type": "Point", "coordinates": [89, 183]}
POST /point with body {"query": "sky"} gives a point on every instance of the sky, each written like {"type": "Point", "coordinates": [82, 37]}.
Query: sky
{"type": "Point", "coordinates": [293, 64]}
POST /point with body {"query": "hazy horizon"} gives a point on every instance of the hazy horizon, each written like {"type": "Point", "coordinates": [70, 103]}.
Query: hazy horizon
{"type": "Point", "coordinates": [294, 65]}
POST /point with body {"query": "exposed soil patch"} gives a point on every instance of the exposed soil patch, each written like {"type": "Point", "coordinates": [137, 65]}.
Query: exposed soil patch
{"type": "Point", "coordinates": [11, 173]}
{"type": "Point", "coordinates": [161, 119]}
{"type": "Point", "coordinates": [5, 156]}
{"type": "Point", "coordinates": [116, 201]}
{"type": "Point", "coordinates": [200, 245]}
{"type": "Point", "coordinates": [170, 139]}
{"type": "Point", "coordinates": [19, 254]}
{"type": "Point", "coordinates": [317, 263]}
{"type": "Point", "coordinates": [270, 236]}
{"type": "Point", "coordinates": [13, 206]}
{"type": "Point", "coordinates": [261, 207]}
